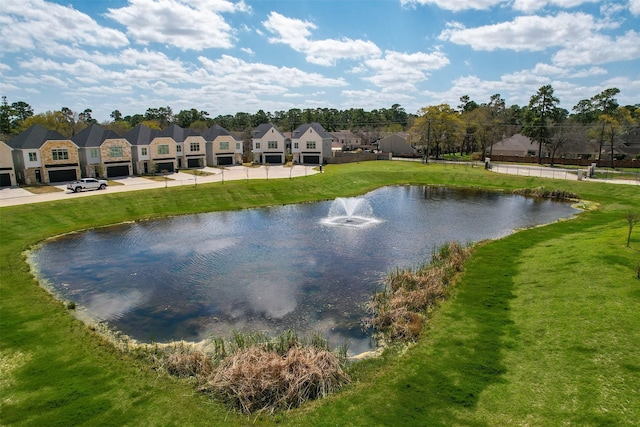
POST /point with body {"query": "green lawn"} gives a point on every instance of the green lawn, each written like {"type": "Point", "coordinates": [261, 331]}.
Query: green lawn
{"type": "Point", "coordinates": [543, 328]}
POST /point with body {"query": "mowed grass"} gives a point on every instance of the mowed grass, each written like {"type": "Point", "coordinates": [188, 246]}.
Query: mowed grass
{"type": "Point", "coordinates": [543, 328]}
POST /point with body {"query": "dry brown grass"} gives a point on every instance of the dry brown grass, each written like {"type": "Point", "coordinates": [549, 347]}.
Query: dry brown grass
{"type": "Point", "coordinates": [255, 379]}
{"type": "Point", "coordinates": [398, 312]}
{"type": "Point", "coordinates": [42, 189]}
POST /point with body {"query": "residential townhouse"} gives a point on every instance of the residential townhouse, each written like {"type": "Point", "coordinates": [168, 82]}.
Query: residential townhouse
{"type": "Point", "coordinates": [269, 144]}
{"type": "Point", "coordinates": [44, 156]}
{"type": "Point", "coordinates": [191, 150]}
{"type": "Point", "coordinates": [7, 171]}
{"type": "Point", "coordinates": [103, 153]}
{"type": "Point", "coordinates": [222, 147]}
{"type": "Point", "coordinates": [311, 144]}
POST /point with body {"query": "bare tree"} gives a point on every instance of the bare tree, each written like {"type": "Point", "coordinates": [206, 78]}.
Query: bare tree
{"type": "Point", "coordinates": [632, 219]}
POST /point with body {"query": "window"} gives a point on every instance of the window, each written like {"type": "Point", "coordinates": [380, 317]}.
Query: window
{"type": "Point", "coordinates": [93, 153]}
{"type": "Point", "coordinates": [237, 145]}
{"type": "Point", "coordinates": [163, 149]}
{"type": "Point", "coordinates": [311, 145]}
{"type": "Point", "coordinates": [195, 146]}
{"type": "Point", "coordinates": [33, 157]}
{"type": "Point", "coordinates": [143, 151]}
{"type": "Point", "coordinates": [178, 149]}
{"type": "Point", "coordinates": [115, 151]}
{"type": "Point", "coordinates": [60, 154]}
{"type": "Point", "coordinates": [224, 145]}
{"type": "Point", "coordinates": [272, 144]}
{"type": "Point", "coordinates": [295, 145]}
{"type": "Point", "coordinates": [257, 145]}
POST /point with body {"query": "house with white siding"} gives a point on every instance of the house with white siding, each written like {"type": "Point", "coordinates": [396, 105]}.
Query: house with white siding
{"type": "Point", "coordinates": [7, 171]}
{"type": "Point", "coordinates": [311, 144]}
{"type": "Point", "coordinates": [269, 145]}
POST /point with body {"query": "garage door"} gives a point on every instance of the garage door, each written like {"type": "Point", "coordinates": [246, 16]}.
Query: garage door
{"type": "Point", "coordinates": [311, 160]}
{"type": "Point", "coordinates": [272, 159]}
{"type": "Point", "coordinates": [63, 175]}
{"type": "Point", "coordinates": [117, 171]}
{"type": "Point", "coordinates": [193, 163]}
{"type": "Point", "coordinates": [5, 180]}
{"type": "Point", "coordinates": [160, 167]}
{"type": "Point", "coordinates": [227, 160]}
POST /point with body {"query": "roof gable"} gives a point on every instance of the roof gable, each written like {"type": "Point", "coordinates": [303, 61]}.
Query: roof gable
{"type": "Point", "coordinates": [140, 135]}
{"type": "Point", "coordinates": [35, 137]}
{"type": "Point", "coordinates": [261, 130]}
{"type": "Point", "coordinates": [215, 131]}
{"type": "Point", "coordinates": [317, 127]}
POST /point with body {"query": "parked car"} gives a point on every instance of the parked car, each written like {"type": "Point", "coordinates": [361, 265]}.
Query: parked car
{"type": "Point", "coordinates": [87, 184]}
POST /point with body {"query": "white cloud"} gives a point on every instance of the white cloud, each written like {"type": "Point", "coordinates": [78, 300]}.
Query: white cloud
{"type": "Point", "coordinates": [533, 5]}
{"type": "Point", "coordinates": [186, 24]}
{"type": "Point", "coordinates": [524, 33]}
{"type": "Point", "coordinates": [634, 7]}
{"type": "Point", "coordinates": [454, 5]}
{"type": "Point", "coordinates": [600, 49]}
{"type": "Point", "coordinates": [37, 24]}
{"type": "Point", "coordinates": [397, 70]}
{"type": "Point", "coordinates": [296, 34]}
{"type": "Point", "coordinates": [235, 71]}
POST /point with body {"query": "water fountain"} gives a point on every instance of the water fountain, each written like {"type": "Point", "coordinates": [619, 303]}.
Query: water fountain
{"type": "Point", "coordinates": [350, 212]}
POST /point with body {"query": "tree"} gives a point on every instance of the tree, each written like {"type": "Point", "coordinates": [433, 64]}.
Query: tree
{"type": "Point", "coordinates": [13, 116]}
{"type": "Point", "coordinates": [439, 127]}
{"type": "Point", "coordinates": [598, 109]}
{"type": "Point", "coordinates": [185, 118]}
{"type": "Point", "coordinates": [85, 117]}
{"type": "Point", "coordinates": [116, 115]}
{"type": "Point", "coordinates": [614, 124]}
{"type": "Point", "coordinates": [541, 114]}
{"type": "Point", "coordinates": [632, 220]}
{"type": "Point", "coordinates": [162, 115]}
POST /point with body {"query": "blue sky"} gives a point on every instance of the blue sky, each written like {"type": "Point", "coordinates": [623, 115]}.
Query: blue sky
{"type": "Point", "coordinates": [225, 56]}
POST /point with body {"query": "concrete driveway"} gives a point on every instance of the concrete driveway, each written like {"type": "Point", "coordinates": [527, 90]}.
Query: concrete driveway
{"type": "Point", "coordinates": [19, 196]}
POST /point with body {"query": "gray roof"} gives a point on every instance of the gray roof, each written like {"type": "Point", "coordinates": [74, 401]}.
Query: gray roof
{"type": "Point", "coordinates": [315, 126]}
{"type": "Point", "coordinates": [263, 128]}
{"type": "Point", "coordinates": [35, 137]}
{"type": "Point", "coordinates": [140, 135]}
{"type": "Point", "coordinates": [215, 131]}
{"type": "Point", "coordinates": [177, 133]}
{"type": "Point", "coordinates": [94, 136]}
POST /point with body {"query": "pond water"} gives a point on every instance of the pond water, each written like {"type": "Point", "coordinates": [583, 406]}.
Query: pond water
{"type": "Point", "coordinates": [270, 269]}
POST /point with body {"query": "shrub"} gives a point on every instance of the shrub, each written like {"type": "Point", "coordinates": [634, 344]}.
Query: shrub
{"type": "Point", "coordinates": [255, 379]}
{"type": "Point", "coordinates": [543, 193]}
{"type": "Point", "coordinates": [397, 313]}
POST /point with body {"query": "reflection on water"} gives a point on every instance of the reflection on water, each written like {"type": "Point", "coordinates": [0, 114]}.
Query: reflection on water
{"type": "Point", "coordinates": [269, 269]}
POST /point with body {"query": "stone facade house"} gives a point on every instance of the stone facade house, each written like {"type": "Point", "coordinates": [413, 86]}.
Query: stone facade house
{"type": "Point", "coordinates": [190, 147]}
{"type": "Point", "coordinates": [222, 147]}
{"type": "Point", "coordinates": [311, 144]}
{"type": "Point", "coordinates": [269, 145]}
{"type": "Point", "coordinates": [44, 156]}
{"type": "Point", "coordinates": [103, 153]}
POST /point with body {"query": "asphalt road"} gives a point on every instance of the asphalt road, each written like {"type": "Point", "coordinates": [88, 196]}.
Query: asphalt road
{"type": "Point", "coordinates": [19, 196]}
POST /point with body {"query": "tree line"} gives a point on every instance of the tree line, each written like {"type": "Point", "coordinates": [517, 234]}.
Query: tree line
{"type": "Point", "coordinates": [439, 129]}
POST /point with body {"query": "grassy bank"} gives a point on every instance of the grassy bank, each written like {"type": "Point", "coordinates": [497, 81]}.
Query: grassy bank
{"type": "Point", "coordinates": [542, 329]}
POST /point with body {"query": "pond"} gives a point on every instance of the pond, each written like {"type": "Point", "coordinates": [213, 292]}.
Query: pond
{"type": "Point", "coordinates": [271, 269]}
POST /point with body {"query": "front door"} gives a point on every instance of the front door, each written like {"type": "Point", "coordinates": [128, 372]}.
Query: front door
{"type": "Point", "coordinates": [38, 176]}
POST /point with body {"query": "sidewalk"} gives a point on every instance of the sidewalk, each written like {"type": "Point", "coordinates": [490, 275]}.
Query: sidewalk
{"type": "Point", "coordinates": [553, 173]}
{"type": "Point", "coordinates": [19, 196]}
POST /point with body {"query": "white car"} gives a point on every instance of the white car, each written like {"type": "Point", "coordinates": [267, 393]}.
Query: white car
{"type": "Point", "coordinates": [87, 184]}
